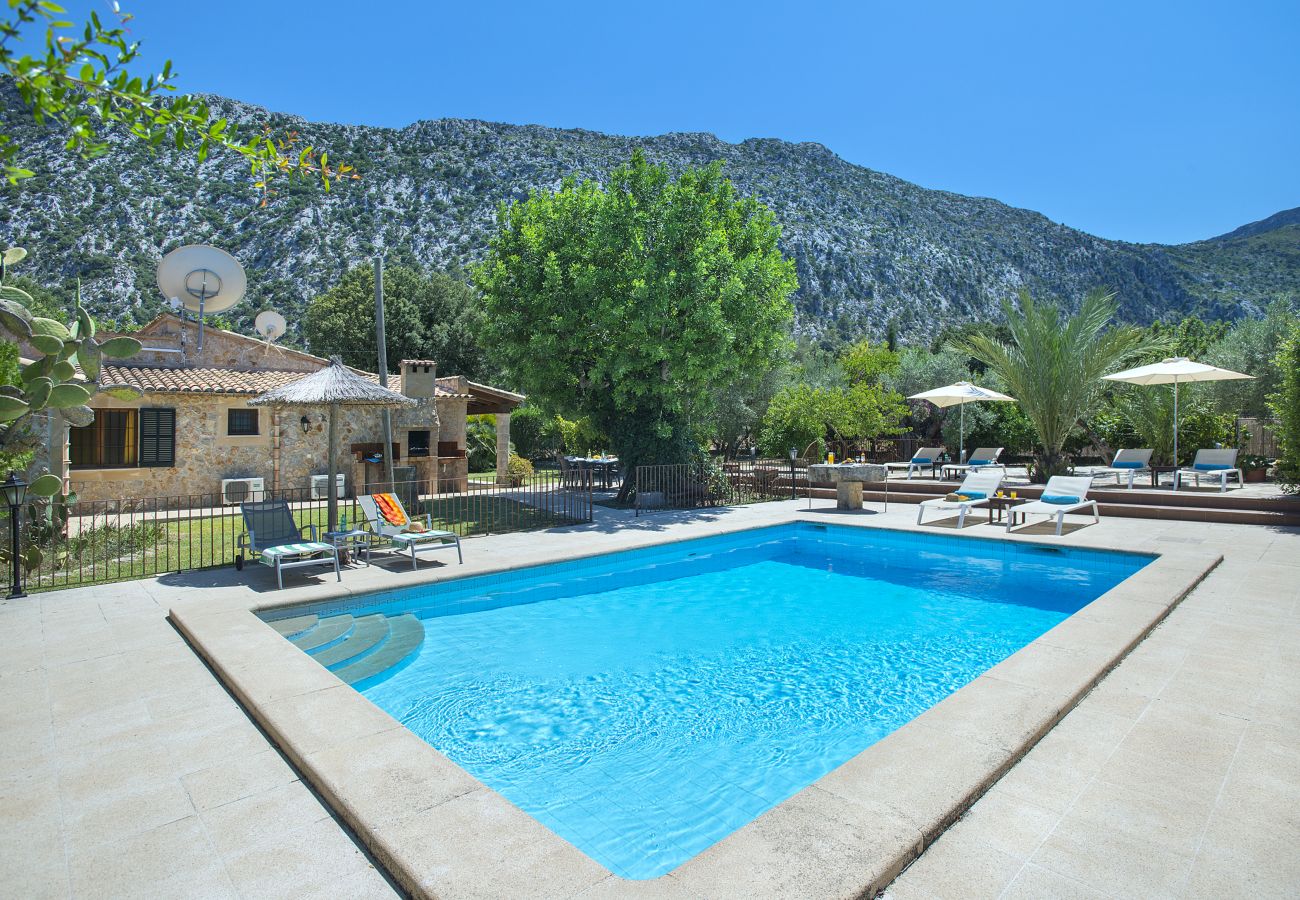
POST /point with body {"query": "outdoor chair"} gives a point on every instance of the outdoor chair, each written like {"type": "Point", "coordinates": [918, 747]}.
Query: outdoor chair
{"type": "Point", "coordinates": [980, 458]}
{"type": "Point", "coordinates": [389, 520]}
{"type": "Point", "coordinates": [272, 534]}
{"type": "Point", "coordinates": [977, 488]}
{"type": "Point", "coordinates": [923, 458]}
{"type": "Point", "coordinates": [1063, 494]}
{"type": "Point", "coordinates": [1130, 463]}
{"type": "Point", "coordinates": [1212, 464]}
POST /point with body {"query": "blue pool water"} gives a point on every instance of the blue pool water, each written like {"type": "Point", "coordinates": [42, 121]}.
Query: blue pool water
{"type": "Point", "coordinates": [646, 704]}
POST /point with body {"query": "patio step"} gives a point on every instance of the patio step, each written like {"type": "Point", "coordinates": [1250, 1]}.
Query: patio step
{"type": "Point", "coordinates": [368, 632]}
{"type": "Point", "coordinates": [294, 627]}
{"type": "Point", "coordinates": [405, 635]}
{"type": "Point", "coordinates": [330, 631]}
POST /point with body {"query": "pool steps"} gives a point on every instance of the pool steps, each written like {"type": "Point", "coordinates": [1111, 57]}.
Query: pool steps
{"type": "Point", "coordinates": [355, 649]}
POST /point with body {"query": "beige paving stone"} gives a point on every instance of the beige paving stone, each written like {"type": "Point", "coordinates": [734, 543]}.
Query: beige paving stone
{"type": "Point", "coordinates": [175, 860]}
{"type": "Point", "coordinates": [113, 811]}
{"type": "Point", "coordinates": [1008, 823]}
{"type": "Point", "coordinates": [241, 824]}
{"type": "Point", "coordinates": [1187, 735]}
{"type": "Point", "coordinates": [1037, 779]}
{"type": "Point", "coordinates": [312, 858]}
{"type": "Point", "coordinates": [322, 719]}
{"type": "Point", "coordinates": [388, 776]}
{"type": "Point", "coordinates": [238, 776]}
{"type": "Point", "coordinates": [1123, 864]}
{"type": "Point", "coordinates": [963, 865]}
{"type": "Point", "coordinates": [444, 851]}
{"type": "Point", "coordinates": [1036, 883]}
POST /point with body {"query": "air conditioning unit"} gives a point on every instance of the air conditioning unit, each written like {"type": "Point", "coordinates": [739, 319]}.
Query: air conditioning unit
{"type": "Point", "coordinates": [320, 486]}
{"type": "Point", "coordinates": [237, 490]}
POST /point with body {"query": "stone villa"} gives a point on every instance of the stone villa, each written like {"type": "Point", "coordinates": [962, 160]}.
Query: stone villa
{"type": "Point", "coordinates": [193, 429]}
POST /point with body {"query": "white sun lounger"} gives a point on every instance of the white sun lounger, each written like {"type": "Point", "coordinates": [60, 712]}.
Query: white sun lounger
{"type": "Point", "coordinates": [272, 535]}
{"type": "Point", "coordinates": [1073, 493]}
{"type": "Point", "coordinates": [1127, 464]}
{"type": "Point", "coordinates": [926, 457]}
{"type": "Point", "coordinates": [980, 458]}
{"type": "Point", "coordinates": [1213, 464]}
{"type": "Point", "coordinates": [979, 486]}
{"type": "Point", "coordinates": [403, 541]}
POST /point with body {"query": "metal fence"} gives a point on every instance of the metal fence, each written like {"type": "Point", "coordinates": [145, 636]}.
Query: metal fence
{"type": "Point", "coordinates": [718, 483]}
{"type": "Point", "coordinates": [140, 537]}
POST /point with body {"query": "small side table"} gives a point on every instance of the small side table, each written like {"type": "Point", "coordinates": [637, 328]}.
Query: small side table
{"type": "Point", "coordinates": [1007, 504]}
{"type": "Point", "coordinates": [353, 542]}
{"type": "Point", "coordinates": [1157, 471]}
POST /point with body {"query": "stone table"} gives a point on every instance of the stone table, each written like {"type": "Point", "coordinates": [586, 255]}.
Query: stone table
{"type": "Point", "coordinates": [848, 479]}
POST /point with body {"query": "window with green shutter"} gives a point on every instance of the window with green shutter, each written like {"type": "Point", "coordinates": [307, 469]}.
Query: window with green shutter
{"type": "Point", "coordinates": [157, 436]}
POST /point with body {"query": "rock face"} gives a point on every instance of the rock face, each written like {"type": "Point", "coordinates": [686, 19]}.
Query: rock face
{"type": "Point", "coordinates": [872, 250]}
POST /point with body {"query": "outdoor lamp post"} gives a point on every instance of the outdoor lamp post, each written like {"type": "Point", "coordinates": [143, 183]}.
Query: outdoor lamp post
{"type": "Point", "coordinates": [794, 454]}
{"type": "Point", "coordinates": [15, 490]}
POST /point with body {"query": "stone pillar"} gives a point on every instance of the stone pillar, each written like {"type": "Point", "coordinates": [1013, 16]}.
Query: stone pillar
{"type": "Point", "coordinates": [503, 446]}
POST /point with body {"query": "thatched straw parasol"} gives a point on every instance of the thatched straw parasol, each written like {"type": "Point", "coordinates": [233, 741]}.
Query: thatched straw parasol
{"type": "Point", "coordinates": [334, 386]}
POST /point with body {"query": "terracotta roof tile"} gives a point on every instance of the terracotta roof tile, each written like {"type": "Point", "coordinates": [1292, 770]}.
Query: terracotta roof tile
{"type": "Point", "coordinates": [203, 380]}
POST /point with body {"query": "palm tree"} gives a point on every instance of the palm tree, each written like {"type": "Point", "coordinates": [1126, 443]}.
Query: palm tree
{"type": "Point", "coordinates": [1053, 364]}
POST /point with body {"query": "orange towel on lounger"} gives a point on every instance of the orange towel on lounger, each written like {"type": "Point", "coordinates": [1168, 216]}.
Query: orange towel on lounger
{"type": "Point", "coordinates": [391, 509]}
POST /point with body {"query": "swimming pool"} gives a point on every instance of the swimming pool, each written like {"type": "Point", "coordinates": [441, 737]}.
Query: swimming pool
{"type": "Point", "coordinates": [644, 705]}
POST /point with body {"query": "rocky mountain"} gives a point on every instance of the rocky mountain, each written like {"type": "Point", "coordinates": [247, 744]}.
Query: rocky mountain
{"type": "Point", "coordinates": [871, 249]}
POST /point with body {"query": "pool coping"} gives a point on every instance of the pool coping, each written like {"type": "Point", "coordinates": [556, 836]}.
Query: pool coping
{"type": "Point", "coordinates": [440, 832]}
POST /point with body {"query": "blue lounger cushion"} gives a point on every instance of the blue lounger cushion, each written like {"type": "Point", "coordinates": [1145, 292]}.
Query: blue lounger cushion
{"type": "Point", "coordinates": [980, 462]}
{"type": "Point", "coordinates": [1062, 499]}
{"type": "Point", "coordinates": [1211, 467]}
{"type": "Point", "coordinates": [921, 461]}
{"type": "Point", "coordinates": [1129, 464]}
{"type": "Point", "coordinates": [973, 495]}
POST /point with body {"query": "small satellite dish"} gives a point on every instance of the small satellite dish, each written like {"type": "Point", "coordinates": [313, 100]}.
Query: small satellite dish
{"type": "Point", "coordinates": [270, 325]}
{"type": "Point", "coordinates": [203, 278]}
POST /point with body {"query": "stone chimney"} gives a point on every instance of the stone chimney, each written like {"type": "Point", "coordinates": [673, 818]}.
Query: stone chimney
{"type": "Point", "coordinates": [419, 378]}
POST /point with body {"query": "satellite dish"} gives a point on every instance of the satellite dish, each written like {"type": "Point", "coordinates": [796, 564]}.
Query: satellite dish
{"type": "Point", "coordinates": [203, 278]}
{"type": "Point", "coordinates": [270, 325]}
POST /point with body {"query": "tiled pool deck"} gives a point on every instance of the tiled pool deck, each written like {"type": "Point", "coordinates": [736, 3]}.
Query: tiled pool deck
{"type": "Point", "coordinates": [126, 769]}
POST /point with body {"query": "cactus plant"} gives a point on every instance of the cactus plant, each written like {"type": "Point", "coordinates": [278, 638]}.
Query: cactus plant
{"type": "Point", "coordinates": [50, 381]}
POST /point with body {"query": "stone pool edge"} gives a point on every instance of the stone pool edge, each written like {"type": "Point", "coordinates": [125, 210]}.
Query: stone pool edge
{"type": "Point", "coordinates": [440, 832]}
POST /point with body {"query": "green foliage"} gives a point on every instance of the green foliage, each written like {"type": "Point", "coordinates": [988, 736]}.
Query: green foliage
{"type": "Point", "coordinates": [1250, 346]}
{"type": "Point", "coordinates": [1147, 414]}
{"type": "Point", "coordinates": [48, 382]}
{"type": "Point", "coordinates": [867, 363]}
{"type": "Point", "coordinates": [83, 81]}
{"type": "Point", "coordinates": [1285, 405]}
{"type": "Point", "coordinates": [1053, 364]}
{"type": "Point", "coordinates": [629, 304]}
{"type": "Point", "coordinates": [426, 316]}
{"type": "Point", "coordinates": [1192, 337]}
{"type": "Point", "coordinates": [518, 469]}
{"type": "Point", "coordinates": [528, 432]}
{"type": "Point", "coordinates": [481, 442]}
{"type": "Point", "coordinates": [796, 418]}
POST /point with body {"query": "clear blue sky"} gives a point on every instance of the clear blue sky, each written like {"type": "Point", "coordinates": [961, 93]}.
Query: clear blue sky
{"type": "Point", "coordinates": [1145, 121]}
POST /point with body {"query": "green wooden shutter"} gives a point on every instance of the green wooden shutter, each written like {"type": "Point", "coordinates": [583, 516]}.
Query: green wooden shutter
{"type": "Point", "coordinates": [157, 437]}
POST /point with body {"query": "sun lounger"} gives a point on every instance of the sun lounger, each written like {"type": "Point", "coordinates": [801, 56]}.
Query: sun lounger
{"type": "Point", "coordinates": [271, 533]}
{"type": "Point", "coordinates": [1063, 494]}
{"type": "Point", "coordinates": [977, 487]}
{"type": "Point", "coordinates": [981, 458]}
{"type": "Point", "coordinates": [1212, 464]}
{"type": "Point", "coordinates": [926, 457]}
{"type": "Point", "coordinates": [388, 519]}
{"type": "Point", "coordinates": [1127, 464]}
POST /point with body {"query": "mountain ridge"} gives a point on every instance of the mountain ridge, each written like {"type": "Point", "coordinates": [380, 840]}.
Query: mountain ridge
{"type": "Point", "coordinates": [871, 249]}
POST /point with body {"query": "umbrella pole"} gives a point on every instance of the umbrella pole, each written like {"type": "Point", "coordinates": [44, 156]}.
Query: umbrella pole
{"type": "Point", "coordinates": [1175, 460]}
{"type": "Point", "coordinates": [331, 487]}
{"type": "Point", "coordinates": [961, 434]}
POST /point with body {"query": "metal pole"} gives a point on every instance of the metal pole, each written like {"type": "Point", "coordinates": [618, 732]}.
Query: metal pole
{"type": "Point", "coordinates": [1175, 460]}
{"type": "Point", "coordinates": [15, 560]}
{"type": "Point", "coordinates": [383, 370]}
{"type": "Point", "coordinates": [331, 486]}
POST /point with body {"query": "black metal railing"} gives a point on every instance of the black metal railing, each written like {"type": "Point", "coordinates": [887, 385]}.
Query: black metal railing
{"type": "Point", "coordinates": [140, 537]}
{"type": "Point", "coordinates": [704, 484]}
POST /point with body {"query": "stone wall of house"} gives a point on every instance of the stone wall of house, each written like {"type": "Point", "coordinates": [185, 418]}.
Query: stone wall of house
{"type": "Point", "coordinates": [281, 453]}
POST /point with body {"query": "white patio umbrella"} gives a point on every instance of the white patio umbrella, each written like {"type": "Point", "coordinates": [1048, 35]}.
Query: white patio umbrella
{"type": "Point", "coordinates": [1176, 370]}
{"type": "Point", "coordinates": [960, 394]}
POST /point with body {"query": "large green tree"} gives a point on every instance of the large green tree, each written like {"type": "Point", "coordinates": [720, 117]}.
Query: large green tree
{"type": "Point", "coordinates": [1053, 364]}
{"type": "Point", "coordinates": [629, 303]}
{"type": "Point", "coordinates": [427, 315]}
